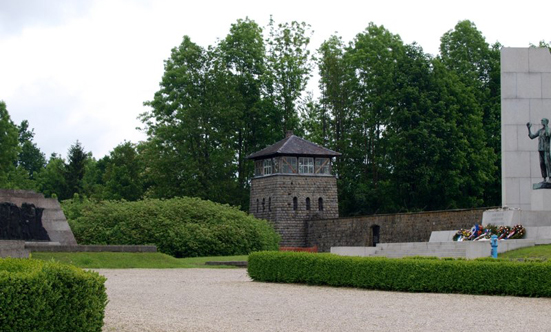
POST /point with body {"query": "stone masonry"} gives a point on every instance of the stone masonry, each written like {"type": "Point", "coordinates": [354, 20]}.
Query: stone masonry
{"type": "Point", "coordinates": [525, 97]}
{"type": "Point", "coordinates": [272, 198]}
{"type": "Point", "coordinates": [53, 218]}
{"type": "Point", "coordinates": [394, 228]}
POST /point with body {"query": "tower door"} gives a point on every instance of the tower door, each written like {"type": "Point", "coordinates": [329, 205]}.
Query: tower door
{"type": "Point", "coordinates": [375, 230]}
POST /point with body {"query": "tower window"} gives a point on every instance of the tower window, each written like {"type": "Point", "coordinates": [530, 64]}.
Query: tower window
{"type": "Point", "coordinates": [320, 204]}
{"type": "Point", "coordinates": [263, 204]}
{"type": "Point", "coordinates": [322, 166]}
{"type": "Point", "coordinates": [258, 168]}
{"type": "Point", "coordinates": [306, 165]}
{"type": "Point", "coordinates": [295, 203]}
{"type": "Point", "coordinates": [267, 166]}
{"type": "Point", "coordinates": [289, 164]}
{"type": "Point", "coordinates": [308, 203]}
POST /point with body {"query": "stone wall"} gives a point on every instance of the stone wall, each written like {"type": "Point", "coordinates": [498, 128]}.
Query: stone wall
{"type": "Point", "coordinates": [394, 228]}
{"type": "Point", "coordinates": [525, 97]}
{"type": "Point", "coordinates": [272, 198]}
{"type": "Point", "coordinates": [53, 218]}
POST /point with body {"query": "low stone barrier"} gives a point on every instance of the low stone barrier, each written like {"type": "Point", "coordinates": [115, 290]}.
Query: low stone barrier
{"type": "Point", "coordinates": [14, 249]}
{"type": "Point", "coordinates": [49, 247]}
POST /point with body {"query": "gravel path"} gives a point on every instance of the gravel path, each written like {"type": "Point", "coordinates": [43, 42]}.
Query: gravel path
{"type": "Point", "coordinates": [227, 300]}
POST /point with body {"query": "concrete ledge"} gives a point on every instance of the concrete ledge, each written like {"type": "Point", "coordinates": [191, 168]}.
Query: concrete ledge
{"type": "Point", "coordinates": [467, 249]}
{"type": "Point", "coordinates": [230, 263]}
{"type": "Point", "coordinates": [354, 251]}
{"type": "Point", "coordinates": [14, 249]}
{"type": "Point", "coordinates": [49, 247]}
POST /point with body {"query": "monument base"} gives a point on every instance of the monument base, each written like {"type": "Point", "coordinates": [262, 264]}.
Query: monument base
{"type": "Point", "coordinates": [512, 217]}
{"type": "Point", "coordinates": [541, 185]}
{"type": "Point", "coordinates": [541, 199]}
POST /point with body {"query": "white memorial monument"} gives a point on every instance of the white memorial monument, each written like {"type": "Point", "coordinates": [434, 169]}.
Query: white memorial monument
{"type": "Point", "coordinates": [525, 102]}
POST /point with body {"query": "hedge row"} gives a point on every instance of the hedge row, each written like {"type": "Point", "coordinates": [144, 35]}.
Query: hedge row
{"type": "Point", "coordinates": [181, 227]}
{"type": "Point", "coordinates": [49, 296]}
{"type": "Point", "coordinates": [483, 276]}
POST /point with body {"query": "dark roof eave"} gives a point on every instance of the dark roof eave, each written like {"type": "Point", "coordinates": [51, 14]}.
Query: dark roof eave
{"type": "Point", "coordinates": [293, 146]}
{"type": "Point", "coordinates": [279, 154]}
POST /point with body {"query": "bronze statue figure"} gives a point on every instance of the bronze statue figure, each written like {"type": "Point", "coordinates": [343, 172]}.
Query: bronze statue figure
{"type": "Point", "coordinates": [544, 135]}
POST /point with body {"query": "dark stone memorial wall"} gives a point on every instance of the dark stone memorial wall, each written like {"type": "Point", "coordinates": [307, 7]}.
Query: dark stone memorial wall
{"type": "Point", "coordinates": [21, 223]}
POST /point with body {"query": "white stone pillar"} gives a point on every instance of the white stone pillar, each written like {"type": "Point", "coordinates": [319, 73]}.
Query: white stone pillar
{"type": "Point", "coordinates": [525, 97]}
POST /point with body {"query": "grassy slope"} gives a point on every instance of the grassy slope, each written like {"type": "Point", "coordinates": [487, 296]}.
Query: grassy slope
{"type": "Point", "coordinates": [539, 252]}
{"type": "Point", "coordinates": [114, 260]}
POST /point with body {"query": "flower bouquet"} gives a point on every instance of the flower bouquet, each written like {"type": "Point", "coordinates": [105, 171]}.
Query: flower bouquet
{"type": "Point", "coordinates": [477, 233]}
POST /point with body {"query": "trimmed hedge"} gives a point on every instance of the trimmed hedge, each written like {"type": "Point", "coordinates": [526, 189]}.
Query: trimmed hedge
{"type": "Point", "coordinates": [49, 296]}
{"type": "Point", "coordinates": [480, 276]}
{"type": "Point", "coordinates": [180, 227]}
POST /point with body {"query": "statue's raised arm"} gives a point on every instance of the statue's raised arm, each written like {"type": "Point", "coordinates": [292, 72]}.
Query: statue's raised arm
{"type": "Point", "coordinates": [544, 135]}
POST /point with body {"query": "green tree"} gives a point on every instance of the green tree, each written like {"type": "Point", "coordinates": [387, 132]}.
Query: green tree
{"type": "Point", "coordinates": [75, 170]}
{"type": "Point", "coordinates": [93, 185]}
{"type": "Point", "coordinates": [289, 66]}
{"type": "Point", "coordinates": [465, 51]}
{"type": "Point", "coordinates": [30, 157]}
{"type": "Point", "coordinates": [123, 174]}
{"type": "Point", "coordinates": [243, 53]}
{"type": "Point", "coordinates": [415, 134]}
{"type": "Point", "coordinates": [334, 84]}
{"type": "Point", "coordinates": [9, 147]}
{"type": "Point", "coordinates": [188, 151]}
{"type": "Point", "coordinates": [51, 181]}
{"type": "Point", "coordinates": [374, 56]}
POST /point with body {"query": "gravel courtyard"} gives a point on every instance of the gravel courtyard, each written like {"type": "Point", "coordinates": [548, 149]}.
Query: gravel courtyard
{"type": "Point", "coordinates": [227, 300]}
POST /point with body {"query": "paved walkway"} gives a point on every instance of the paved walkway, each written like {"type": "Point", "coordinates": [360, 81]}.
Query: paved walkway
{"type": "Point", "coordinates": [175, 300]}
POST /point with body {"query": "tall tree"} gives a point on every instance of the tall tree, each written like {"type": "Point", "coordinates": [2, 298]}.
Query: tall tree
{"type": "Point", "coordinates": [374, 57]}
{"type": "Point", "coordinates": [123, 174]}
{"type": "Point", "coordinates": [9, 147]}
{"type": "Point", "coordinates": [75, 169]}
{"type": "Point", "coordinates": [51, 181]}
{"type": "Point", "coordinates": [335, 78]}
{"type": "Point", "coordinates": [243, 53]}
{"type": "Point", "coordinates": [289, 66]}
{"type": "Point", "coordinates": [465, 51]}
{"type": "Point", "coordinates": [30, 157]}
{"type": "Point", "coordinates": [188, 151]}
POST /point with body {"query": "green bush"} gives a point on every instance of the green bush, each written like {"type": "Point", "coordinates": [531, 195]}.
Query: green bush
{"type": "Point", "coordinates": [49, 296]}
{"type": "Point", "coordinates": [497, 277]}
{"type": "Point", "coordinates": [181, 227]}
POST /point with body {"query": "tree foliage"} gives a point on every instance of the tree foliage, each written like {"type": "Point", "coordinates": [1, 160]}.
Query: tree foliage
{"type": "Point", "coordinates": [30, 157]}
{"type": "Point", "coordinates": [217, 105]}
{"type": "Point", "coordinates": [416, 132]}
{"type": "Point", "coordinates": [9, 147]}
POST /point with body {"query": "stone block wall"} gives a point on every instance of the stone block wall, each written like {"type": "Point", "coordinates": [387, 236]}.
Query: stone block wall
{"type": "Point", "coordinates": [272, 199]}
{"type": "Point", "coordinates": [525, 97]}
{"type": "Point", "coordinates": [394, 228]}
{"type": "Point", "coordinates": [53, 218]}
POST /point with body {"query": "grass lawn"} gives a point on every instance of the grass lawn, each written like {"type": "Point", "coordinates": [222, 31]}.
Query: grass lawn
{"type": "Point", "coordinates": [125, 260]}
{"type": "Point", "coordinates": [539, 252]}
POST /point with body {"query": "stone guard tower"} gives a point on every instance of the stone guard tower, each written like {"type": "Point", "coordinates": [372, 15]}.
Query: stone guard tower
{"type": "Point", "coordinates": [292, 184]}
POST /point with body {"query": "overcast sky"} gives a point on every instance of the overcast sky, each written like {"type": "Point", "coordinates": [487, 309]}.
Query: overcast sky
{"type": "Point", "coordinates": [81, 69]}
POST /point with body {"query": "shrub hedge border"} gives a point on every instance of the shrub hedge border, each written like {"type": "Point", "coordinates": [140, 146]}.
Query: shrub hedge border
{"type": "Point", "coordinates": [50, 296]}
{"type": "Point", "coordinates": [414, 274]}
